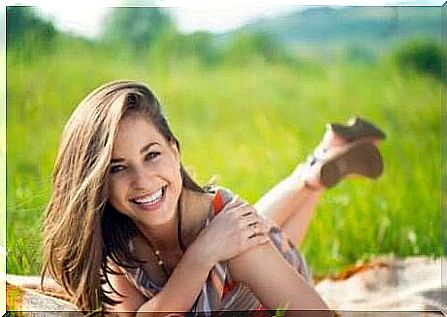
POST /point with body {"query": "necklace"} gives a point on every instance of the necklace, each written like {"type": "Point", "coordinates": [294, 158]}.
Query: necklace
{"type": "Point", "coordinates": [157, 252]}
{"type": "Point", "coordinates": [157, 255]}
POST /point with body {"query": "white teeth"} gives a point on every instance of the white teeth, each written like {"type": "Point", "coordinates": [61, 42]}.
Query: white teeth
{"type": "Point", "coordinates": [150, 199]}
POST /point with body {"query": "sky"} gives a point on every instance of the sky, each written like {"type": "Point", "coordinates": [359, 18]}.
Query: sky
{"type": "Point", "coordinates": [188, 19]}
{"type": "Point", "coordinates": [84, 17]}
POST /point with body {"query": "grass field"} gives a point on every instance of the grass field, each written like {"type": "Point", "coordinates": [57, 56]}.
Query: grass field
{"type": "Point", "coordinates": [249, 126]}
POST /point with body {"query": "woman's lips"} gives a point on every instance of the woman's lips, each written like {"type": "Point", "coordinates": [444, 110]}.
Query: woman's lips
{"type": "Point", "coordinates": [152, 201]}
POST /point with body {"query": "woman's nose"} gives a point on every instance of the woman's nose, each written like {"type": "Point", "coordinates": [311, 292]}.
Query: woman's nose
{"type": "Point", "coordinates": [141, 178]}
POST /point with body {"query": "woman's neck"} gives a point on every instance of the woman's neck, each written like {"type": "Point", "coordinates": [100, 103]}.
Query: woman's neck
{"type": "Point", "coordinates": [194, 208]}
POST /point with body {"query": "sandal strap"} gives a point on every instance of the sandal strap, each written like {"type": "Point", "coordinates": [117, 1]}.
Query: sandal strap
{"type": "Point", "coordinates": [317, 155]}
{"type": "Point", "coordinates": [312, 159]}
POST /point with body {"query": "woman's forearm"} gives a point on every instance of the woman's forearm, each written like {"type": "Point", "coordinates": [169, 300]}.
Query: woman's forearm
{"type": "Point", "coordinates": [274, 281]}
{"type": "Point", "coordinates": [183, 286]}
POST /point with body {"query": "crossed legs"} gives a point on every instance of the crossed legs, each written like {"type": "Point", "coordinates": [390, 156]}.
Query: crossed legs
{"type": "Point", "coordinates": [292, 202]}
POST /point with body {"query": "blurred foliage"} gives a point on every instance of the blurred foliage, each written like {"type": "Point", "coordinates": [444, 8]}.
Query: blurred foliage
{"type": "Point", "coordinates": [359, 54]}
{"type": "Point", "coordinates": [423, 56]}
{"type": "Point", "coordinates": [138, 27]}
{"type": "Point", "coordinates": [23, 25]}
{"type": "Point", "coordinates": [175, 46]}
{"type": "Point", "coordinates": [243, 47]}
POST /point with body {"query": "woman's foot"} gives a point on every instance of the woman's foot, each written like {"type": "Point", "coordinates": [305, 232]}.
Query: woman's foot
{"type": "Point", "coordinates": [357, 129]}
{"type": "Point", "coordinates": [340, 154]}
{"type": "Point", "coordinates": [356, 158]}
{"type": "Point", "coordinates": [359, 158]}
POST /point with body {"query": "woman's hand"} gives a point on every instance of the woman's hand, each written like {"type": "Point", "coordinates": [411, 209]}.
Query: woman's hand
{"type": "Point", "coordinates": [234, 230]}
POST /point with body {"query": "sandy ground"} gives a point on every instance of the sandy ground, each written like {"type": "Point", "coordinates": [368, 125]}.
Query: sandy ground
{"type": "Point", "coordinates": [415, 286]}
{"type": "Point", "coordinates": [389, 284]}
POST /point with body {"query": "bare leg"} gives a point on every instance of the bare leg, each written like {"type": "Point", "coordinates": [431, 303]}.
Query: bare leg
{"type": "Point", "coordinates": [291, 203]}
{"type": "Point", "coordinates": [296, 226]}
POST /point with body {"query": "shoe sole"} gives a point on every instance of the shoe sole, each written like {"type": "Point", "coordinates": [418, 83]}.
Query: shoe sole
{"type": "Point", "coordinates": [362, 159]}
{"type": "Point", "coordinates": [364, 129]}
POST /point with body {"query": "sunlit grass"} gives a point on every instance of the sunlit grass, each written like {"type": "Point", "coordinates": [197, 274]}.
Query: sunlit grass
{"type": "Point", "coordinates": [249, 126]}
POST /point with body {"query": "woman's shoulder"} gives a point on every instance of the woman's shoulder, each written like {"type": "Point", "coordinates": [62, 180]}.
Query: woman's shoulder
{"type": "Point", "coordinates": [220, 196]}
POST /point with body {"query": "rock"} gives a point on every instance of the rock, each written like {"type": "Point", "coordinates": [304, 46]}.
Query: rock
{"type": "Point", "coordinates": [32, 303]}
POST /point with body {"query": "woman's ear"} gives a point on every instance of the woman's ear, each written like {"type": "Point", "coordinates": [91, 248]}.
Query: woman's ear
{"type": "Point", "coordinates": [175, 149]}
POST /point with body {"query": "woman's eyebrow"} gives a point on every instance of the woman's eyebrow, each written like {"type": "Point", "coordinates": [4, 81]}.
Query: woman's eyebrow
{"type": "Point", "coordinates": [116, 160]}
{"type": "Point", "coordinates": [146, 147]}
{"type": "Point", "coordinates": [143, 149]}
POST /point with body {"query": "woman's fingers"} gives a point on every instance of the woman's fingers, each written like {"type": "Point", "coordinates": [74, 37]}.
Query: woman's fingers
{"type": "Point", "coordinates": [248, 217]}
{"type": "Point", "coordinates": [256, 229]}
{"type": "Point", "coordinates": [257, 240]}
{"type": "Point", "coordinates": [252, 225]}
{"type": "Point", "coordinates": [249, 214]}
{"type": "Point", "coordinates": [234, 203]}
{"type": "Point", "coordinates": [238, 228]}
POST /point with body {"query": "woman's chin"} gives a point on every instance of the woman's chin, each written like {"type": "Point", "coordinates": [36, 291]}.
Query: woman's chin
{"type": "Point", "coordinates": [156, 215]}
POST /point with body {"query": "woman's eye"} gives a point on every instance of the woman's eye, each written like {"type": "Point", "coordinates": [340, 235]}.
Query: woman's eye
{"type": "Point", "coordinates": [152, 155]}
{"type": "Point", "coordinates": [116, 168]}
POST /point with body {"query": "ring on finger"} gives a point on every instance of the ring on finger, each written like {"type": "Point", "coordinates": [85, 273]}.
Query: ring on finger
{"type": "Point", "coordinates": [254, 230]}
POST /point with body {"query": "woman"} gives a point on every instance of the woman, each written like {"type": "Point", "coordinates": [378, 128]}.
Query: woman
{"type": "Point", "coordinates": [127, 229]}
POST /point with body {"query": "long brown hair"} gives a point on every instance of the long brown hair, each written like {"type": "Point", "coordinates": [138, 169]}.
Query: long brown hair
{"type": "Point", "coordinates": [81, 230]}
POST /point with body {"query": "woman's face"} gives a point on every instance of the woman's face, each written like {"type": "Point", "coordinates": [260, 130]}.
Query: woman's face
{"type": "Point", "coordinates": [145, 181]}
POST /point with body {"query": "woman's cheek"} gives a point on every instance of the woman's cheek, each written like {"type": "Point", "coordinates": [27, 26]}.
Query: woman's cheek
{"type": "Point", "coordinates": [116, 192]}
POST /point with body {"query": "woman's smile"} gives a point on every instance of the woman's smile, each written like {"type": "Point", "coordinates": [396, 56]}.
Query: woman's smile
{"type": "Point", "coordinates": [150, 201]}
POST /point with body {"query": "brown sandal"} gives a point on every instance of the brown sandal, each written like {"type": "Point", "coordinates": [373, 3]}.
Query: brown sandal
{"type": "Point", "coordinates": [357, 129]}
{"type": "Point", "coordinates": [361, 158]}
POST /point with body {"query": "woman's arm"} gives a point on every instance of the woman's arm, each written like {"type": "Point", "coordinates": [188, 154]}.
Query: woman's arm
{"type": "Point", "coordinates": [228, 235]}
{"type": "Point", "coordinates": [276, 283]}
{"type": "Point", "coordinates": [178, 295]}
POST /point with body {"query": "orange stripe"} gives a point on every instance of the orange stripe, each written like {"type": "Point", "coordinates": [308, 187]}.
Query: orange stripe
{"type": "Point", "coordinates": [228, 287]}
{"type": "Point", "coordinates": [218, 203]}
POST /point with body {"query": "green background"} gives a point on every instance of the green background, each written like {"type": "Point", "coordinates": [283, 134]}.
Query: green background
{"type": "Point", "coordinates": [247, 109]}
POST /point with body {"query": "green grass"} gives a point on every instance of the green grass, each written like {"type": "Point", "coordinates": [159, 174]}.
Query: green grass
{"type": "Point", "coordinates": [249, 126]}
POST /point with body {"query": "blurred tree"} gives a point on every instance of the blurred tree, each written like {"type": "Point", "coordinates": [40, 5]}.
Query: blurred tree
{"type": "Point", "coordinates": [197, 45]}
{"type": "Point", "coordinates": [244, 46]}
{"type": "Point", "coordinates": [359, 53]}
{"type": "Point", "coordinates": [137, 27]}
{"type": "Point", "coordinates": [424, 56]}
{"type": "Point", "coordinates": [24, 26]}
{"type": "Point", "coordinates": [201, 45]}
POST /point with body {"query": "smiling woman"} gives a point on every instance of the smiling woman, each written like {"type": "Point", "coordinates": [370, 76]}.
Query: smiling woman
{"type": "Point", "coordinates": [128, 230]}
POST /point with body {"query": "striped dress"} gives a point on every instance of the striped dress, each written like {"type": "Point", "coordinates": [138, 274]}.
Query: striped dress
{"type": "Point", "coordinates": [220, 292]}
